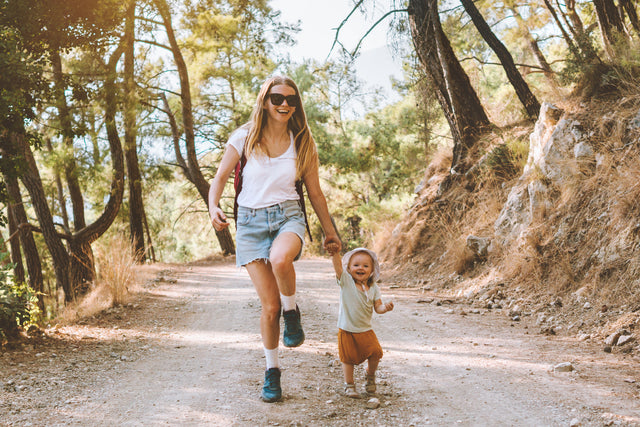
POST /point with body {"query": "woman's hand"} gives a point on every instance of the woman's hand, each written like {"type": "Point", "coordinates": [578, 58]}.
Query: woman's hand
{"type": "Point", "coordinates": [218, 218]}
{"type": "Point", "coordinates": [332, 244]}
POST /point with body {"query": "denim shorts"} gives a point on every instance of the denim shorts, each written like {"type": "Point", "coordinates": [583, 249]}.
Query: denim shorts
{"type": "Point", "coordinates": [258, 228]}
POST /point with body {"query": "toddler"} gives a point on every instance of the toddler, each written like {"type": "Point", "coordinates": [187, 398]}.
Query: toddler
{"type": "Point", "coordinates": [357, 271]}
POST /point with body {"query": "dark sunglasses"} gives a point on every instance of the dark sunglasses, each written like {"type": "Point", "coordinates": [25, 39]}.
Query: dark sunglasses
{"type": "Point", "coordinates": [278, 99]}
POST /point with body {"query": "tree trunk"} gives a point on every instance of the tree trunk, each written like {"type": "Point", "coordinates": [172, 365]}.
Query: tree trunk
{"type": "Point", "coordinates": [14, 244]}
{"type": "Point", "coordinates": [567, 38]}
{"type": "Point", "coordinates": [136, 204]}
{"type": "Point", "coordinates": [70, 166]}
{"type": "Point", "coordinates": [93, 231]}
{"type": "Point", "coordinates": [609, 21]}
{"type": "Point", "coordinates": [224, 237]}
{"type": "Point", "coordinates": [82, 264]}
{"type": "Point", "coordinates": [19, 147]}
{"type": "Point", "coordinates": [60, 193]}
{"type": "Point", "coordinates": [535, 48]}
{"type": "Point", "coordinates": [576, 22]}
{"type": "Point", "coordinates": [458, 99]}
{"type": "Point", "coordinates": [29, 248]}
{"type": "Point", "coordinates": [526, 97]}
{"type": "Point", "coordinates": [630, 9]}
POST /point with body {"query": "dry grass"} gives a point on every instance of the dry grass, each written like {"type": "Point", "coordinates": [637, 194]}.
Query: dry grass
{"type": "Point", "coordinates": [116, 268]}
{"type": "Point", "coordinates": [115, 277]}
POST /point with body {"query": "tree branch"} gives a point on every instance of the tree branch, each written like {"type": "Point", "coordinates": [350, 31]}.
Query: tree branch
{"type": "Point", "coordinates": [391, 12]}
{"type": "Point", "coordinates": [473, 57]}
{"type": "Point", "coordinates": [344, 21]}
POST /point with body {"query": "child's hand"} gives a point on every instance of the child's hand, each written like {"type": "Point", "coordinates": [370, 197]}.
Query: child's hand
{"type": "Point", "coordinates": [332, 248]}
{"type": "Point", "coordinates": [388, 307]}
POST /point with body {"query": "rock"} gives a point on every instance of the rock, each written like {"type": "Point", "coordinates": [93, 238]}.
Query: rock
{"type": "Point", "coordinates": [478, 246]}
{"type": "Point", "coordinates": [583, 337]}
{"type": "Point", "coordinates": [373, 403]}
{"type": "Point", "coordinates": [575, 423]}
{"type": "Point", "coordinates": [563, 367]}
{"type": "Point", "coordinates": [624, 339]}
{"type": "Point", "coordinates": [554, 140]}
{"type": "Point", "coordinates": [612, 339]}
{"type": "Point", "coordinates": [607, 349]}
{"type": "Point", "coordinates": [586, 305]}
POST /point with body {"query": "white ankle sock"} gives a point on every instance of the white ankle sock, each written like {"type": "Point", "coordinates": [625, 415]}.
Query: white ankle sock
{"type": "Point", "coordinates": [288, 302]}
{"type": "Point", "coordinates": [272, 358]}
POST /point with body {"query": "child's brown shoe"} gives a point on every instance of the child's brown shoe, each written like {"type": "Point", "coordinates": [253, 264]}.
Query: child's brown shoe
{"type": "Point", "coordinates": [350, 390]}
{"type": "Point", "coordinates": [370, 387]}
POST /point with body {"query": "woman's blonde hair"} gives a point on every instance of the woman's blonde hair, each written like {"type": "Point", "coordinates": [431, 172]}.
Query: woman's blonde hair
{"type": "Point", "coordinates": [306, 150]}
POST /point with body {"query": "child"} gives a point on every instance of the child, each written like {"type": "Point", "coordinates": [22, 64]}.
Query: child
{"type": "Point", "coordinates": [357, 271]}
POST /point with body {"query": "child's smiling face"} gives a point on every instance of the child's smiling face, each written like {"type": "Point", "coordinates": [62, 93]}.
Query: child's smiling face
{"type": "Point", "coordinates": [360, 267]}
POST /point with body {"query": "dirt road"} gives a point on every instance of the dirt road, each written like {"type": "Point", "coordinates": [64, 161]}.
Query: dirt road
{"type": "Point", "coordinates": [188, 353]}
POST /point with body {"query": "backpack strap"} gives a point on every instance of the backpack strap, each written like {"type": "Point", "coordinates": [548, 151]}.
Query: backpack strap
{"type": "Point", "coordinates": [237, 184]}
{"type": "Point", "coordinates": [300, 192]}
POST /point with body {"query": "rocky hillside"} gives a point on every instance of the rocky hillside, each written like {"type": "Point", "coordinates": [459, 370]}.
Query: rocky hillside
{"type": "Point", "coordinates": [555, 236]}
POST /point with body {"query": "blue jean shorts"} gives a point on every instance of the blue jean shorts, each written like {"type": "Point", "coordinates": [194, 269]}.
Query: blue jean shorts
{"type": "Point", "coordinates": [258, 228]}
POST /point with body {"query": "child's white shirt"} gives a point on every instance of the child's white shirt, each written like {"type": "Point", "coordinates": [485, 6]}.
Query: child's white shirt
{"type": "Point", "coordinates": [356, 306]}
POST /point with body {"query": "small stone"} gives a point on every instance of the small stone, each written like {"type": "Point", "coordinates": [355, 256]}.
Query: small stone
{"type": "Point", "coordinates": [583, 337]}
{"type": "Point", "coordinates": [563, 367]}
{"type": "Point", "coordinates": [612, 339]}
{"type": "Point", "coordinates": [624, 339]}
{"type": "Point", "coordinates": [575, 423]}
{"type": "Point", "coordinates": [587, 305]}
{"type": "Point", "coordinates": [373, 403]}
{"type": "Point", "coordinates": [607, 349]}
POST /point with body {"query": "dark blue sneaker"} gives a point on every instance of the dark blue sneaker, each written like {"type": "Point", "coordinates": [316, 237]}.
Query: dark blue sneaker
{"type": "Point", "coordinates": [271, 392]}
{"type": "Point", "coordinates": [293, 334]}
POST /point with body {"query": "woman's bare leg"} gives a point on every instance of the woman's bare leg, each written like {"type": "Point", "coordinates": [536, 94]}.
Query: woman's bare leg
{"type": "Point", "coordinates": [283, 251]}
{"type": "Point", "coordinates": [267, 288]}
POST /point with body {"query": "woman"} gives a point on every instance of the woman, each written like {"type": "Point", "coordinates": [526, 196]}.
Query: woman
{"type": "Point", "coordinates": [279, 150]}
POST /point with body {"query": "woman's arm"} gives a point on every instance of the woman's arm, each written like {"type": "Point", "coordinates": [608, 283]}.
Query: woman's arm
{"type": "Point", "coordinates": [229, 161]}
{"type": "Point", "coordinates": [319, 203]}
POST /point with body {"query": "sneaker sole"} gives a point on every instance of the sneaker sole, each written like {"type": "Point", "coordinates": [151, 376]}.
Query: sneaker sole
{"type": "Point", "coordinates": [277, 399]}
{"type": "Point", "coordinates": [290, 345]}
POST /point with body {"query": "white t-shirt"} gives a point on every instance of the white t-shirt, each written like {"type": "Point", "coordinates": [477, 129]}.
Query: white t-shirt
{"type": "Point", "coordinates": [356, 306]}
{"type": "Point", "coordinates": [266, 180]}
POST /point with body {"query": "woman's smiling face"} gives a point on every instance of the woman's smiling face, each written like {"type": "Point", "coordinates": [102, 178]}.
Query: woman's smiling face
{"type": "Point", "coordinates": [284, 111]}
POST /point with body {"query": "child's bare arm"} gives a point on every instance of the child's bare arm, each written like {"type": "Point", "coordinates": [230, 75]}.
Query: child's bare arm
{"type": "Point", "coordinates": [382, 308]}
{"type": "Point", "coordinates": [334, 251]}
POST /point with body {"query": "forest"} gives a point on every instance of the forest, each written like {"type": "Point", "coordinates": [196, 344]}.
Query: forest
{"type": "Point", "coordinates": [115, 115]}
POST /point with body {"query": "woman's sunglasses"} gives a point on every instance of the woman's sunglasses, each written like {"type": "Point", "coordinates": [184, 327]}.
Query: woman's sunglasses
{"type": "Point", "coordinates": [278, 99]}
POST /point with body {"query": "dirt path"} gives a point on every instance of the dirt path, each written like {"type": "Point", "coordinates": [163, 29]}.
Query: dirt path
{"type": "Point", "coordinates": [189, 353]}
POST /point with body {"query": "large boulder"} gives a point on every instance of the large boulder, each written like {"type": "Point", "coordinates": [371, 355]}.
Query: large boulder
{"type": "Point", "coordinates": [558, 150]}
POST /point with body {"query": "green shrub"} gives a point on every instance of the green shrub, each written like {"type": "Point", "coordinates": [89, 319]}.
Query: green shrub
{"type": "Point", "coordinates": [18, 303]}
